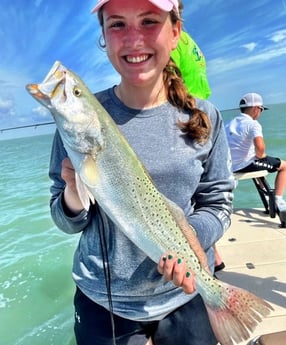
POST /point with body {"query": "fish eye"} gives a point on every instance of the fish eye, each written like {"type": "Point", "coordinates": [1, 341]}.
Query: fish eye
{"type": "Point", "coordinates": [77, 91]}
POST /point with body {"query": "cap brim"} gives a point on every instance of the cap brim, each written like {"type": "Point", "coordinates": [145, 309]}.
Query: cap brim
{"type": "Point", "coordinates": [249, 106]}
{"type": "Point", "coordinates": [98, 6]}
{"type": "Point", "coordinates": [164, 5]}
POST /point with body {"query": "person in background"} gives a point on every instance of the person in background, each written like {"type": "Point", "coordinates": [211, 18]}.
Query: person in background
{"type": "Point", "coordinates": [247, 146]}
{"type": "Point", "coordinates": [181, 141]}
{"type": "Point", "coordinates": [192, 65]}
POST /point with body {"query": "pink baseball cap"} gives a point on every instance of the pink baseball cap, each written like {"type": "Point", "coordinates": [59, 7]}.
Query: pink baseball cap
{"type": "Point", "coordinates": [164, 5]}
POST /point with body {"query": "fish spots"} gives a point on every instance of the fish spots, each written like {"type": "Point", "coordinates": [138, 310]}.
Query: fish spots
{"type": "Point", "coordinates": [163, 220]}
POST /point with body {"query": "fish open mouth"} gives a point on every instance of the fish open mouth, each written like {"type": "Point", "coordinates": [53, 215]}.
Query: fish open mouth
{"type": "Point", "coordinates": [33, 89]}
{"type": "Point", "coordinates": [48, 88]}
{"type": "Point", "coordinates": [56, 68]}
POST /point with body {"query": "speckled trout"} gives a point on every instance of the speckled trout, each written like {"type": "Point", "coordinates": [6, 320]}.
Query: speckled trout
{"type": "Point", "coordinates": [108, 171]}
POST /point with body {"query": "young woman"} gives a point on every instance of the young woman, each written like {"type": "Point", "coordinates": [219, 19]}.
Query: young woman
{"type": "Point", "coordinates": [122, 296]}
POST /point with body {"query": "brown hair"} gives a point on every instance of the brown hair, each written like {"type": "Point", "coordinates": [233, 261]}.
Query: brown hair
{"type": "Point", "coordinates": [198, 127]}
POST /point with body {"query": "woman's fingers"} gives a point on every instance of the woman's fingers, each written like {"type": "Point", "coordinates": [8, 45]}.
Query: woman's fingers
{"type": "Point", "coordinates": [175, 269]}
{"type": "Point", "coordinates": [68, 173]}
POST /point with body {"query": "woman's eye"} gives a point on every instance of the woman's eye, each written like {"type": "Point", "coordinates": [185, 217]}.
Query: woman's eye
{"type": "Point", "coordinates": [117, 25]}
{"type": "Point", "coordinates": [149, 22]}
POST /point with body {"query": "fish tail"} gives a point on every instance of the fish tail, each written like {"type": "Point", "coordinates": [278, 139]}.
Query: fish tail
{"type": "Point", "coordinates": [235, 316]}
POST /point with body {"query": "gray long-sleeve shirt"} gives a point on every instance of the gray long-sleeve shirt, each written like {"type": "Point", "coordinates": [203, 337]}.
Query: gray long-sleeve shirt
{"type": "Point", "coordinates": [197, 177]}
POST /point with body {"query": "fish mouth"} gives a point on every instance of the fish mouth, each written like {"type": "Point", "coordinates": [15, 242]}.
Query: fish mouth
{"type": "Point", "coordinates": [47, 89]}
{"type": "Point", "coordinates": [56, 69]}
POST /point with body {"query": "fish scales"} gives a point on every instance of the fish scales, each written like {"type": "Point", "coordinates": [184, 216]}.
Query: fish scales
{"type": "Point", "coordinates": [108, 171]}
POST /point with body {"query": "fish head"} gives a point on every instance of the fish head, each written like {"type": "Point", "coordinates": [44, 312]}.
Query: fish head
{"type": "Point", "coordinates": [72, 107]}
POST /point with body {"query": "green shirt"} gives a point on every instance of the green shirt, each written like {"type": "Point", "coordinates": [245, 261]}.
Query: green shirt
{"type": "Point", "coordinates": [192, 64]}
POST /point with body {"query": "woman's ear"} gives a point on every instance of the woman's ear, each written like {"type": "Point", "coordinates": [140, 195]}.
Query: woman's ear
{"type": "Point", "coordinates": [177, 28]}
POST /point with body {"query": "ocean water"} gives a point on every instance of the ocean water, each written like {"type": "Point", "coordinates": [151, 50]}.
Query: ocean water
{"type": "Point", "coordinates": [35, 257]}
{"type": "Point", "coordinates": [36, 289]}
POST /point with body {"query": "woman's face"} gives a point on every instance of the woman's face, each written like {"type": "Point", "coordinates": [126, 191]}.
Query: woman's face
{"type": "Point", "coordinates": [139, 38]}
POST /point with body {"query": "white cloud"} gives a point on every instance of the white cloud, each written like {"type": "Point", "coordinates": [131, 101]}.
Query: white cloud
{"type": "Point", "coordinates": [220, 65]}
{"type": "Point", "coordinates": [6, 107]}
{"type": "Point", "coordinates": [250, 46]}
{"type": "Point", "coordinates": [278, 36]}
{"type": "Point", "coordinates": [41, 111]}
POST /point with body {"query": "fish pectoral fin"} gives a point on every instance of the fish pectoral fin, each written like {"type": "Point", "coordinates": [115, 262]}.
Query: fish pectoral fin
{"type": "Point", "coordinates": [88, 172]}
{"type": "Point", "coordinates": [84, 194]}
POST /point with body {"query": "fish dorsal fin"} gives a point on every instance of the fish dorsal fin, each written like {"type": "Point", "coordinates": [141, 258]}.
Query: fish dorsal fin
{"type": "Point", "coordinates": [84, 194]}
{"type": "Point", "coordinates": [188, 231]}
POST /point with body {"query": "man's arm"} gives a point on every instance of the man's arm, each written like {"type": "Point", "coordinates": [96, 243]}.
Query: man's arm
{"type": "Point", "coordinates": [259, 147]}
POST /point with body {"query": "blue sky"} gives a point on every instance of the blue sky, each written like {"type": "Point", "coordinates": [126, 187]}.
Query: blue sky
{"type": "Point", "coordinates": [244, 43]}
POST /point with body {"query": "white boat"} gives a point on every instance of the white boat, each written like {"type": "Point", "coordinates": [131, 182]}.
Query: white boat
{"type": "Point", "coordinates": [254, 253]}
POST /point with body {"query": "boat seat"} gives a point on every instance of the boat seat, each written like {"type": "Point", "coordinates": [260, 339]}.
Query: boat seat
{"type": "Point", "coordinates": [247, 175]}
{"type": "Point", "coordinates": [265, 192]}
{"type": "Point", "coordinates": [277, 338]}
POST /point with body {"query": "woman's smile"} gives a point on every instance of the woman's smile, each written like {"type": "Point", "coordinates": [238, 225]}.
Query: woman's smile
{"type": "Point", "coordinates": [137, 59]}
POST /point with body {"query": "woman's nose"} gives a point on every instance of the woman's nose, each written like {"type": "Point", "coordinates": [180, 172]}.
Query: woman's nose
{"type": "Point", "coordinates": [134, 37]}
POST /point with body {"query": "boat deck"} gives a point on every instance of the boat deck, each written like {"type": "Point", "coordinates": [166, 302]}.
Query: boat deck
{"type": "Point", "coordinates": [254, 253]}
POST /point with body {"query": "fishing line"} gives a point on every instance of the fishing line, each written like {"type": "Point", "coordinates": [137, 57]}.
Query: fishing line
{"type": "Point", "coordinates": [106, 268]}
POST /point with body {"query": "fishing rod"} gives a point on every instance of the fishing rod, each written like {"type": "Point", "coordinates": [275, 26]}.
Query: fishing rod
{"type": "Point", "coordinates": [26, 126]}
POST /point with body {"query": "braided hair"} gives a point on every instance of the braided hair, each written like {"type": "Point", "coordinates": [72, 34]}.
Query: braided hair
{"type": "Point", "coordinates": [198, 127]}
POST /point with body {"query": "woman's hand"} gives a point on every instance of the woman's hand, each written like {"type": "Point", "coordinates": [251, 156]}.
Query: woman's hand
{"type": "Point", "coordinates": [71, 197]}
{"type": "Point", "coordinates": [68, 174]}
{"type": "Point", "coordinates": [175, 269]}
